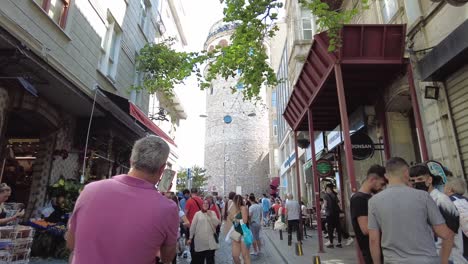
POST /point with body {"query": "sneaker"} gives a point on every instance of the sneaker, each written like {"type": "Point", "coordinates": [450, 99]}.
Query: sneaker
{"type": "Point", "coordinates": [328, 243]}
{"type": "Point", "coordinates": [330, 246]}
{"type": "Point", "coordinates": [254, 253]}
{"type": "Point", "coordinates": [339, 245]}
{"type": "Point", "coordinates": [349, 241]}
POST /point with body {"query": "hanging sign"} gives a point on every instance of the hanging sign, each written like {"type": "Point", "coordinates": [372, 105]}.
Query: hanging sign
{"type": "Point", "coordinates": [362, 146]}
{"type": "Point", "coordinates": [334, 138]}
{"type": "Point", "coordinates": [324, 168]}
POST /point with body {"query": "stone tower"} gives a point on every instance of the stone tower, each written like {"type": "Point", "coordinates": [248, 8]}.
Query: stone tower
{"type": "Point", "coordinates": [236, 144]}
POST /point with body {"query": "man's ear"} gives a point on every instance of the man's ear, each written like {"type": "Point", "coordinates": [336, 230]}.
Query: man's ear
{"type": "Point", "coordinates": [161, 171]}
{"type": "Point", "coordinates": [430, 180]}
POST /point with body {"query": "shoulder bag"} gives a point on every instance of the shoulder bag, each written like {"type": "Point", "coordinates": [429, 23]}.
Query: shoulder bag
{"type": "Point", "coordinates": [215, 235]}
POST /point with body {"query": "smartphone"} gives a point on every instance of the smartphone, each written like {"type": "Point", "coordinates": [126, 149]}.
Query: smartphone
{"type": "Point", "coordinates": [166, 180]}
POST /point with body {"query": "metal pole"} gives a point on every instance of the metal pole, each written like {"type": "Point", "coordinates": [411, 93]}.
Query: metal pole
{"type": "Point", "coordinates": [298, 179]}
{"type": "Point", "coordinates": [347, 136]}
{"type": "Point", "coordinates": [224, 179]}
{"type": "Point", "coordinates": [417, 115]}
{"type": "Point", "coordinates": [87, 137]}
{"type": "Point", "coordinates": [316, 182]}
{"type": "Point", "coordinates": [345, 127]}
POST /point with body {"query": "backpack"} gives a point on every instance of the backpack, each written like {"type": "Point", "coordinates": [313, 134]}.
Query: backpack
{"type": "Point", "coordinates": [462, 207]}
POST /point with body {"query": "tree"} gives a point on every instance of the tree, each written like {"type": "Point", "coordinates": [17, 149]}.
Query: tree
{"type": "Point", "coordinates": [245, 57]}
{"type": "Point", "coordinates": [199, 179]}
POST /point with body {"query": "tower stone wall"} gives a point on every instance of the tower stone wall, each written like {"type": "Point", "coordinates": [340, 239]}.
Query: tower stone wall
{"type": "Point", "coordinates": [236, 153]}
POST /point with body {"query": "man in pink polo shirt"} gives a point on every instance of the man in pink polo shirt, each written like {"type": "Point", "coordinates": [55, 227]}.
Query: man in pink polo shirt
{"type": "Point", "coordinates": [125, 219]}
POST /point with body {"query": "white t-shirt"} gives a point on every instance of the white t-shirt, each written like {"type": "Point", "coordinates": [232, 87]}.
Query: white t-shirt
{"type": "Point", "coordinates": [293, 210]}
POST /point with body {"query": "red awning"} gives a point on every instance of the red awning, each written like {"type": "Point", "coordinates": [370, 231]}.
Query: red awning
{"type": "Point", "coordinates": [371, 57]}
{"type": "Point", "coordinates": [142, 118]}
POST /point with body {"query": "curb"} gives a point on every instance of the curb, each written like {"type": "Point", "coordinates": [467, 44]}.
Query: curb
{"type": "Point", "coordinates": [277, 250]}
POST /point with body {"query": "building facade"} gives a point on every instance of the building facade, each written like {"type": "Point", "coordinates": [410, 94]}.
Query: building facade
{"type": "Point", "coordinates": [428, 124]}
{"type": "Point", "coordinates": [236, 144]}
{"type": "Point", "coordinates": [67, 110]}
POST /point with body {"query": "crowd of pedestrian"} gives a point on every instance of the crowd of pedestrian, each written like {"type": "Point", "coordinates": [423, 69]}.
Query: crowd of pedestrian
{"type": "Point", "coordinates": [399, 215]}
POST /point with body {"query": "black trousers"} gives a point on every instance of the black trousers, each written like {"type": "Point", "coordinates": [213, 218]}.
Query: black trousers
{"type": "Point", "coordinates": [293, 225]}
{"type": "Point", "coordinates": [333, 222]}
{"type": "Point", "coordinates": [200, 257]}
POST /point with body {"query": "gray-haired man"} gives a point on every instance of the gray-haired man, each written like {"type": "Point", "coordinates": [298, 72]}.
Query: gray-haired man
{"type": "Point", "coordinates": [125, 219]}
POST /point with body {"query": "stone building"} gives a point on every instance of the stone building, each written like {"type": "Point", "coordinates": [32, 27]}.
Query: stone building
{"type": "Point", "coordinates": [65, 73]}
{"type": "Point", "coordinates": [236, 144]}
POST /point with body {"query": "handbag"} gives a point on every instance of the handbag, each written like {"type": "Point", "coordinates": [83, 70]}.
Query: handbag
{"type": "Point", "coordinates": [236, 236]}
{"type": "Point", "coordinates": [280, 225]}
{"type": "Point", "coordinates": [215, 235]}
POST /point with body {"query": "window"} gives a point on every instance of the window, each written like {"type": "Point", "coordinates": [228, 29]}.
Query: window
{"type": "Point", "coordinates": [307, 23]}
{"type": "Point", "coordinates": [145, 7]}
{"type": "Point", "coordinates": [110, 49]}
{"type": "Point", "coordinates": [388, 8]}
{"type": "Point", "coordinates": [223, 43]}
{"type": "Point", "coordinates": [57, 10]}
{"type": "Point", "coordinates": [273, 98]}
{"type": "Point", "coordinates": [275, 127]}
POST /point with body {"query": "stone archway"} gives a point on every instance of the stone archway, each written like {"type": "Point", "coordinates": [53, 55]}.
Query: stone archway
{"type": "Point", "coordinates": [25, 116]}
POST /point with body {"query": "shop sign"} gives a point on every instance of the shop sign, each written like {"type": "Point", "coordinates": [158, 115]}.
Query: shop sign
{"type": "Point", "coordinates": [319, 143]}
{"type": "Point", "coordinates": [362, 146]}
{"type": "Point", "coordinates": [356, 122]}
{"type": "Point", "coordinates": [334, 138]}
{"type": "Point", "coordinates": [324, 168]}
{"type": "Point", "coordinates": [289, 161]}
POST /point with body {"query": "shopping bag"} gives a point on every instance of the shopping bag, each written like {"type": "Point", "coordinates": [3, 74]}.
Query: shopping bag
{"type": "Point", "coordinates": [279, 225]}
{"type": "Point", "coordinates": [227, 239]}
{"type": "Point", "coordinates": [247, 234]}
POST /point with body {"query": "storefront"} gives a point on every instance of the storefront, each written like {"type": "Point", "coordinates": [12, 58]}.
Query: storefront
{"type": "Point", "coordinates": [444, 74]}
{"type": "Point", "coordinates": [351, 80]}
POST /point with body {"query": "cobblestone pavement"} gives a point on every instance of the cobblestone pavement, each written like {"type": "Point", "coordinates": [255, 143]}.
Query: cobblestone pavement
{"type": "Point", "coordinates": [269, 255]}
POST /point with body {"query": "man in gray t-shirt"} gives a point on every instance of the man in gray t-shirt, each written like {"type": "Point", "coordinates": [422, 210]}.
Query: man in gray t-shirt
{"type": "Point", "coordinates": [401, 220]}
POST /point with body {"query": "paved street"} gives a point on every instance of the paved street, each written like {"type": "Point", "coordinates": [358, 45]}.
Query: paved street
{"type": "Point", "coordinates": [275, 251]}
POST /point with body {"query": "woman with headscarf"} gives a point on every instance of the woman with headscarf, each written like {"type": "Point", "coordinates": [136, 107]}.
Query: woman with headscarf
{"type": "Point", "coordinates": [203, 234]}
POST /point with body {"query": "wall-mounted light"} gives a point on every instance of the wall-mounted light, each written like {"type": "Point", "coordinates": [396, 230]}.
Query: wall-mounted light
{"type": "Point", "coordinates": [431, 92]}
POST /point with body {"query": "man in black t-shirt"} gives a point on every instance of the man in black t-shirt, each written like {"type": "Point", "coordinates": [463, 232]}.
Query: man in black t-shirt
{"type": "Point", "coordinates": [374, 183]}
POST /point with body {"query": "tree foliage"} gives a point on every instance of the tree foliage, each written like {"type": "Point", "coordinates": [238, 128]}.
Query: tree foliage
{"type": "Point", "coordinates": [199, 179]}
{"type": "Point", "coordinates": [245, 58]}
{"type": "Point", "coordinates": [332, 20]}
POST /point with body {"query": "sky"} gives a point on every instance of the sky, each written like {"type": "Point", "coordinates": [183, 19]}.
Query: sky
{"type": "Point", "coordinates": [190, 137]}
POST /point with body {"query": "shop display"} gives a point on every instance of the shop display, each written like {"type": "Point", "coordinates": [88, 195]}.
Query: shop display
{"type": "Point", "coordinates": [15, 244]}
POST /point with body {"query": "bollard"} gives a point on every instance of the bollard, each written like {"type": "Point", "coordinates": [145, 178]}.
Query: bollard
{"type": "Point", "coordinates": [316, 260]}
{"type": "Point", "coordinates": [299, 249]}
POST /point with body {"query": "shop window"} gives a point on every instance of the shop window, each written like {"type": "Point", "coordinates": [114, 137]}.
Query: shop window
{"type": "Point", "coordinates": [57, 10]}
{"type": "Point", "coordinates": [389, 9]}
{"type": "Point", "coordinates": [110, 49]}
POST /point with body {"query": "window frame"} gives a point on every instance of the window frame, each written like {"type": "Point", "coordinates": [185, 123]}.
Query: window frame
{"type": "Point", "coordinates": [64, 14]}
{"type": "Point", "coordinates": [306, 15]}
{"type": "Point", "coordinates": [384, 6]}
{"type": "Point", "coordinates": [109, 60]}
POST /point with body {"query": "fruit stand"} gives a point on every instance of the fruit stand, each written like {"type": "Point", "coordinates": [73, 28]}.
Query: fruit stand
{"type": "Point", "coordinates": [50, 229]}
